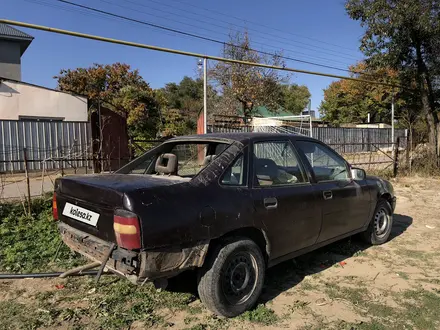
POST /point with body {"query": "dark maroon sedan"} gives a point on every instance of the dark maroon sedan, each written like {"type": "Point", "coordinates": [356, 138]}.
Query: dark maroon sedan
{"type": "Point", "coordinates": [228, 205]}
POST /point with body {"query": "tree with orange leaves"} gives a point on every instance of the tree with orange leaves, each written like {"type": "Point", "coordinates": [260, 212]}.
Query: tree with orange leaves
{"type": "Point", "coordinates": [120, 89]}
{"type": "Point", "coordinates": [348, 101]}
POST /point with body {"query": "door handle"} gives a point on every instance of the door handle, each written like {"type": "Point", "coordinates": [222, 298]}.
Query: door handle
{"type": "Point", "coordinates": [270, 203]}
{"type": "Point", "coordinates": [327, 194]}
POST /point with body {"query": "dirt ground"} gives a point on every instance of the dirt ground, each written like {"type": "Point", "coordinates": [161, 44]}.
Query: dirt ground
{"type": "Point", "coordinates": [13, 186]}
{"type": "Point", "coordinates": [347, 285]}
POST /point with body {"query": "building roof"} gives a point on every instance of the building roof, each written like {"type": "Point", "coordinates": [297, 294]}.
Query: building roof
{"type": "Point", "coordinates": [38, 86]}
{"type": "Point", "coordinates": [262, 111]}
{"type": "Point", "coordinates": [12, 34]}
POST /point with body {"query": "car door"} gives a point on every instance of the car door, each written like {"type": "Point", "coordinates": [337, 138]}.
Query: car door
{"type": "Point", "coordinates": [283, 197]}
{"type": "Point", "coordinates": [344, 202]}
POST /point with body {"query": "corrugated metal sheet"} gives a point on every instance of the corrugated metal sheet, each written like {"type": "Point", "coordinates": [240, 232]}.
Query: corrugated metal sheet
{"type": "Point", "coordinates": [44, 142]}
{"type": "Point", "coordinates": [354, 139]}
{"type": "Point", "coordinates": [358, 139]}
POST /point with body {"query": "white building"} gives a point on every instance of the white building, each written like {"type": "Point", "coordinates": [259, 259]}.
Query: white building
{"type": "Point", "coordinates": [23, 101]}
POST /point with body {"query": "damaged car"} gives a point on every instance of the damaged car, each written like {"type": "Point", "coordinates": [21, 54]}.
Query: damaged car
{"type": "Point", "coordinates": [225, 205]}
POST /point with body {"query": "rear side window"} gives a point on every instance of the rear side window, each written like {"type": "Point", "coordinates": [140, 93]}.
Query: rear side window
{"type": "Point", "coordinates": [276, 164]}
{"type": "Point", "coordinates": [235, 175]}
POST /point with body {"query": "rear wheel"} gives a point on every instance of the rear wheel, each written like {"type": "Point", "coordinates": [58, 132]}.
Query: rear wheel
{"type": "Point", "coordinates": [381, 224]}
{"type": "Point", "coordinates": [232, 278]}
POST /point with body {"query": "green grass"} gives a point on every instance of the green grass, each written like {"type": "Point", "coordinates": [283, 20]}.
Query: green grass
{"type": "Point", "coordinates": [414, 254]}
{"type": "Point", "coordinates": [115, 304]}
{"type": "Point", "coordinates": [417, 309]}
{"type": "Point", "coordinates": [261, 314]}
{"type": "Point", "coordinates": [403, 275]}
{"type": "Point", "coordinates": [31, 243]}
{"type": "Point", "coordinates": [189, 319]}
{"type": "Point", "coordinates": [200, 326]}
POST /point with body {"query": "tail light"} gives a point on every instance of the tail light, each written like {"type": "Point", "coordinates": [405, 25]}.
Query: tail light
{"type": "Point", "coordinates": [127, 230]}
{"type": "Point", "coordinates": [54, 206]}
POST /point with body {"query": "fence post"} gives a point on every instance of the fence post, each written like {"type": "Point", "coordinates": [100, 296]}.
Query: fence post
{"type": "Point", "coordinates": [87, 156]}
{"type": "Point", "coordinates": [407, 149]}
{"type": "Point", "coordinates": [396, 157]}
{"type": "Point", "coordinates": [61, 161]}
{"type": "Point", "coordinates": [119, 151]}
{"type": "Point", "coordinates": [131, 149]}
{"type": "Point", "coordinates": [26, 167]}
{"type": "Point", "coordinates": [76, 155]}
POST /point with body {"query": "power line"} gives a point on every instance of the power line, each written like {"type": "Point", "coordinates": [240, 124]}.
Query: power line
{"type": "Point", "coordinates": [285, 41]}
{"type": "Point", "coordinates": [92, 14]}
{"type": "Point", "coordinates": [259, 24]}
{"type": "Point", "coordinates": [186, 53]}
{"type": "Point", "coordinates": [198, 36]}
{"type": "Point", "coordinates": [217, 32]}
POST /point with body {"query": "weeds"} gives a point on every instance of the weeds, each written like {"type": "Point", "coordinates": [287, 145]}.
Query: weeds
{"type": "Point", "coordinates": [31, 243]}
{"type": "Point", "coordinates": [200, 326]}
{"type": "Point", "coordinates": [261, 314]}
{"type": "Point", "coordinates": [403, 275]}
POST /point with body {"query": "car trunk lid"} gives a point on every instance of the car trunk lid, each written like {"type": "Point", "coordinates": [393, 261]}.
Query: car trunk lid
{"type": "Point", "coordinates": [88, 202]}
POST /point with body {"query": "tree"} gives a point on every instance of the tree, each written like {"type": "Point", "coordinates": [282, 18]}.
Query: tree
{"type": "Point", "coordinates": [244, 86]}
{"type": "Point", "coordinates": [186, 96]}
{"type": "Point", "coordinates": [347, 101]}
{"type": "Point", "coordinates": [294, 98]}
{"type": "Point", "coordinates": [183, 104]}
{"type": "Point", "coordinates": [173, 120]}
{"type": "Point", "coordinates": [405, 36]}
{"type": "Point", "coordinates": [120, 89]}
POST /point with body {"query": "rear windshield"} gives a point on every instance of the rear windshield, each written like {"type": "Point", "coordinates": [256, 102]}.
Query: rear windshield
{"type": "Point", "coordinates": [182, 159]}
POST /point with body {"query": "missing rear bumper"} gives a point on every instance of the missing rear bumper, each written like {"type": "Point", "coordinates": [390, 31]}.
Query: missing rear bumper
{"type": "Point", "coordinates": [138, 267]}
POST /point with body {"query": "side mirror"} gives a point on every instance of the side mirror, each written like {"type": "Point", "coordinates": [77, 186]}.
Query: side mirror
{"type": "Point", "coordinates": [358, 173]}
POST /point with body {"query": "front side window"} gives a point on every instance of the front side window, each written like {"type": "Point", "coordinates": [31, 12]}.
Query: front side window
{"type": "Point", "coordinates": [276, 163]}
{"type": "Point", "coordinates": [326, 164]}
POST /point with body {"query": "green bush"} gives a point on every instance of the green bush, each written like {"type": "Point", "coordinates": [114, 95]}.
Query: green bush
{"type": "Point", "coordinates": [32, 243]}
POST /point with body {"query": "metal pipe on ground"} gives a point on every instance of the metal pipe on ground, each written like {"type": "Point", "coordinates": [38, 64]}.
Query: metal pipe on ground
{"type": "Point", "coordinates": [46, 275]}
{"type": "Point", "coordinates": [80, 269]}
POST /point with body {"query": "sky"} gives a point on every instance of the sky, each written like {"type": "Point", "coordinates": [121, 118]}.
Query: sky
{"type": "Point", "coordinates": [317, 31]}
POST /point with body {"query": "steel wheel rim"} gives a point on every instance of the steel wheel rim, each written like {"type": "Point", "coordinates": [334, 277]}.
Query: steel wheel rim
{"type": "Point", "coordinates": [381, 222]}
{"type": "Point", "coordinates": [239, 278]}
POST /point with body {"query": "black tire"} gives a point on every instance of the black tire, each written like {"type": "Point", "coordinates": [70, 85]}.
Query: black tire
{"type": "Point", "coordinates": [380, 226]}
{"type": "Point", "coordinates": [231, 279]}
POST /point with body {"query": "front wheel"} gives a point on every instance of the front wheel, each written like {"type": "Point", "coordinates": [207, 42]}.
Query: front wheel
{"type": "Point", "coordinates": [232, 278]}
{"type": "Point", "coordinates": [380, 226]}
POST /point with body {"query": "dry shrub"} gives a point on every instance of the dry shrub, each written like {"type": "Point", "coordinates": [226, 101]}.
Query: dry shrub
{"type": "Point", "coordinates": [424, 161]}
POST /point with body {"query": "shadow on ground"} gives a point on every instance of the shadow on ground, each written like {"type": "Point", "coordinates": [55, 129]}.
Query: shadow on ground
{"type": "Point", "coordinates": [288, 274]}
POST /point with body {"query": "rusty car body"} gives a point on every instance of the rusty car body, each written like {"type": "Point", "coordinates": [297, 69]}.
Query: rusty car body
{"type": "Point", "coordinates": [228, 204]}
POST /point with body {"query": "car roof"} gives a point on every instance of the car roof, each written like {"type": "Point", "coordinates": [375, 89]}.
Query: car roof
{"type": "Point", "coordinates": [243, 137]}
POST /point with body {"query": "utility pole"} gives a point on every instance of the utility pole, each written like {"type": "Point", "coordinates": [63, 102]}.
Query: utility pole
{"type": "Point", "coordinates": [205, 96]}
{"type": "Point", "coordinates": [392, 119]}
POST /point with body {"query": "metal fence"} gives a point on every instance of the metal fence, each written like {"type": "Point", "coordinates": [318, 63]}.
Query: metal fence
{"type": "Point", "coordinates": [360, 139]}
{"type": "Point", "coordinates": [54, 144]}
{"type": "Point", "coordinates": [354, 139]}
